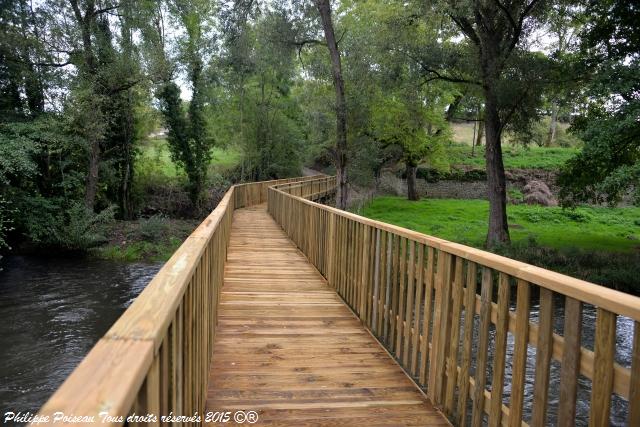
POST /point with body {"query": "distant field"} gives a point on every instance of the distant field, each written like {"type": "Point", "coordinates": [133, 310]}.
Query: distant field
{"type": "Point", "coordinates": [155, 156]}
{"type": "Point", "coordinates": [517, 157]}
{"type": "Point", "coordinates": [465, 221]}
{"type": "Point", "coordinates": [514, 157]}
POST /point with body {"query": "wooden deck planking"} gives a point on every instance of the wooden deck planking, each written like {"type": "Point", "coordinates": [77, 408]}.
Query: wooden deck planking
{"type": "Point", "coordinates": [288, 347]}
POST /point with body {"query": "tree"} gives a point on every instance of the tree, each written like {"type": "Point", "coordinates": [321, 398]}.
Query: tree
{"type": "Point", "coordinates": [403, 121]}
{"type": "Point", "coordinates": [340, 154]}
{"type": "Point", "coordinates": [495, 30]}
{"type": "Point", "coordinates": [188, 138]}
{"type": "Point", "coordinates": [564, 27]}
{"type": "Point", "coordinates": [608, 167]}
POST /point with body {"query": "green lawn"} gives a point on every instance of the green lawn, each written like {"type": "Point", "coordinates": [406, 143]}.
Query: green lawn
{"type": "Point", "coordinates": [155, 156]}
{"type": "Point", "coordinates": [514, 157]}
{"type": "Point", "coordinates": [465, 221]}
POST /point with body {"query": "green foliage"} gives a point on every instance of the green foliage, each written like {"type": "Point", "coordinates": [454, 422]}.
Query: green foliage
{"type": "Point", "coordinates": [134, 241]}
{"type": "Point", "coordinates": [154, 227]}
{"type": "Point", "coordinates": [261, 114]}
{"type": "Point", "coordinates": [454, 174]}
{"type": "Point", "coordinates": [537, 135]}
{"type": "Point", "coordinates": [82, 228]}
{"type": "Point", "coordinates": [405, 122]}
{"type": "Point", "coordinates": [5, 223]}
{"type": "Point", "coordinates": [465, 221]}
{"type": "Point", "coordinates": [58, 225]}
{"type": "Point", "coordinates": [609, 166]}
{"type": "Point", "coordinates": [190, 148]}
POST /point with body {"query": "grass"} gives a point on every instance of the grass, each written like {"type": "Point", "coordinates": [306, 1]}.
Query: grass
{"type": "Point", "coordinates": [514, 157]}
{"type": "Point", "coordinates": [156, 157]}
{"type": "Point", "coordinates": [600, 245]}
{"type": "Point", "coordinates": [465, 221]}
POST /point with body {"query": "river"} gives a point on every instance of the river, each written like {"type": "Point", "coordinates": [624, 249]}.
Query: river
{"type": "Point", "coordinates": [52, 311]}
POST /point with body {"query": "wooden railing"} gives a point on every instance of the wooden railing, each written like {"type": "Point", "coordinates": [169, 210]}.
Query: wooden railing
{"type": "Point", "coordinates": [459, 319]}
{"type": "Point", "coordinates": [155, 358]}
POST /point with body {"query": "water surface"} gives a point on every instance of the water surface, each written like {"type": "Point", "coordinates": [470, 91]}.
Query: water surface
{"type": "Point", "coordinates": [52, 311]}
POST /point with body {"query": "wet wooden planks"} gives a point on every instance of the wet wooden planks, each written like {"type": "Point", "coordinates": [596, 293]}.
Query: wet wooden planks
{"type": "Point", "coordinates": [288, 348]}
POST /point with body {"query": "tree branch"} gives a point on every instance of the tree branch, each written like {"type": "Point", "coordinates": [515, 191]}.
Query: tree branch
{"type": "Point", "coordinates": [105, 9]}
{"type": "Point", "coordinates": [466, 28]}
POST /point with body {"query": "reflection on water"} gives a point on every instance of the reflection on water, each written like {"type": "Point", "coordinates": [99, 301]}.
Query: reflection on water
{"type": "Point", "coordinates": [52, 311]}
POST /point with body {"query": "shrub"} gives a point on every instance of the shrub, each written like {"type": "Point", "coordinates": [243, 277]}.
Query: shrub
{"type": "Point", "coordinates": [154, 227]}
{"type": "Point", "coordinates": [435, 175]}
{"type": "Point", "coordinates": [577, 215]}
{"type": "Point", "coordinates": [84, 229]}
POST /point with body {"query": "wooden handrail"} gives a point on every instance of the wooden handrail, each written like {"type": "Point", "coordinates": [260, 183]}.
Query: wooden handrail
{"type": "Point", "coordinates": [155, 358]}
{"type": "Point", "coordinates": [414, 293]}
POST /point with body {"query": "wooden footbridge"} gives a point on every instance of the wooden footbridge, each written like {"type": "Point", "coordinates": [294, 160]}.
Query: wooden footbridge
{"type": "Point", "coordinates": [288, 312]}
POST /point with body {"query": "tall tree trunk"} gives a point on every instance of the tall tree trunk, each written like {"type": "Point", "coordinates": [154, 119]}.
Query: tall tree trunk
{"type": "Point", "coordinates": [551, 136]}
{"type": "Point", "coordinates": [480, 133]}
{"type": "Point", "coordinates": [89, 69]}
{"type": "Point", "coordinates": [498, 232]}
{"type": "Point", "coordinates": [412, 191]}
{"type": "Point", "coordinates": [324, 7]}
{"type": "Point", "coordinates": [473, 141]}
{"type": "Point", "coordinates": [91, 186]}
{"type": "Point", "coordinates": [453, 108]}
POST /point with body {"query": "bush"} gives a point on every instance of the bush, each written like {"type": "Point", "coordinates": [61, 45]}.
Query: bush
{"type": "Point", "coordinates": [577, 215]}
{"type": "Point", "coordinates": [56, 224]}
{"type": "Point", "coordinates": [5, 223]}
{"type": "Point", "coordinates": [154, 227]}
{"type": "Point", "coordinates": [435, 175]}
{"type": "Point", "coordinates": [84, 229]}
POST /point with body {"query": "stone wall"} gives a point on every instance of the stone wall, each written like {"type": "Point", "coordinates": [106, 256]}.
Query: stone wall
{"type": "Point", "coordinates": [450, 189]}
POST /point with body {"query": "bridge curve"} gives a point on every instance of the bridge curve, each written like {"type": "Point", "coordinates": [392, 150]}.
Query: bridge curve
{"type": "Point", "coordinates": [290, 349]}
{"type": "Point", "coordinates": [458, 320]}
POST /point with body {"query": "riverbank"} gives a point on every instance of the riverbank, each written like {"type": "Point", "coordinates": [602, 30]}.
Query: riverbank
{"type": "Point", "coordinates": [601, 245]}
{"type": "Point", "coordinates": [152, 239]}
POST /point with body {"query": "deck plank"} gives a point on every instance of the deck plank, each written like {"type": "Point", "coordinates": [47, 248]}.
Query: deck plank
{"type": "Point", "coordinates": [290, 349]}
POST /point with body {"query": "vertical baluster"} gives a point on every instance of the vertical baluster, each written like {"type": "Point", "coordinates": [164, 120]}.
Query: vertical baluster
{"type": "Point", "coordinates": [388, 286]}
{"type": "Point", "coordinates": [443, 328]}
{"type": "Point", "coordinates": [467, 341]}
{"type": "Point", "coordinates": [399, 317]}
{"type": "Point", "coordinates": [380, 290]}
{"type": "Point", "coordinates": [394, 291]}
{"type": "Point", "coordinates": [500, 351]}
{"type": "Point", "coordinates": [570, 362]}
{"type": "Point", "coordinates": [437, 314]}
{"type": "Point", "coordinates": [369, 275]}
{"type": "Point", "coordinates": [426, 315]}
{"type": "Point", "coordinates": [634, 388]}
{"type": "Point", "coordinates": [543, 359]}
{"type": "Point", "coordinates": [165, 375]}
{"type": "Point", "coordinates": [416, 310]}
{"type": "Point", "coordinates": [604, 352]}
{"type": "Point", "coordinates": [153, 391]}
{"type": "Point", "coordinates": [483, 347]}
{"type": "Point", "coordinates": [409, 304]}
{"type": "Point", "coordinates": [452, 356]}
{"type": "Point", "coordinates": [521, 338]}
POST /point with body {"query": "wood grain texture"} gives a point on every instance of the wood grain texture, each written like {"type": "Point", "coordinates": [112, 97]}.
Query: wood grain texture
{"type": "Point", "coordinates": [543, 359]}
{"type": "Point", "coordinates": [290, 349]}
{"type": "Point", "coordinates": [570, 362]}
{"type": "Point", "coordinates": [521, 338]}
{"type": "Point", "coordinates": [604, 349]}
